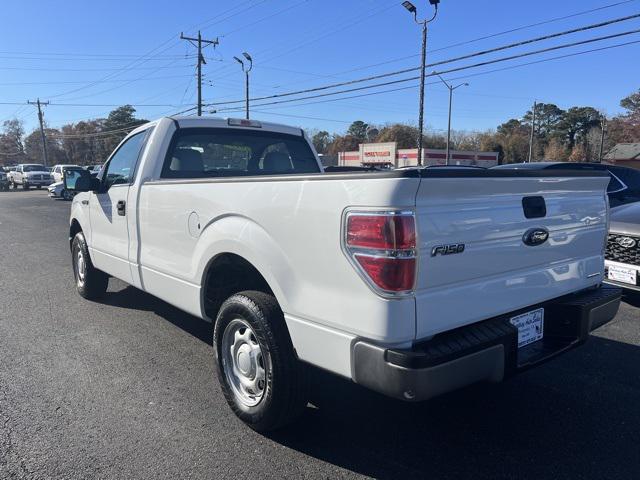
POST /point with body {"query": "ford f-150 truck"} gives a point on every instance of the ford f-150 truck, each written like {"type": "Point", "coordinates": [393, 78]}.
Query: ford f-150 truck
{"type": "Point", "coordinates": [412, 283]}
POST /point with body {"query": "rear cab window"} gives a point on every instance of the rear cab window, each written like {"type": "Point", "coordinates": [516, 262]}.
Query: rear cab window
{"type": "Point", "coordinates": [228, 152]}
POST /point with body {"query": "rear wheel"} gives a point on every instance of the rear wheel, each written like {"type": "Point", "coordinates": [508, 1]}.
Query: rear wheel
{"type": "Point", "coordinates": [25, 186]}
{"type": "Point", "coordinates": [261, 377]}
{"type": "Point", "coordinates": [39, 187]}
{"type": "Point", "coordinates": [65, 194]}
{"type": "Point", "coordinates": [91, 283]}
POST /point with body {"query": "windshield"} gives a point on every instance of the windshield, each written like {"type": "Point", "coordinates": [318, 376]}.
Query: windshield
{"type": "Point", "coordinates": [34, 168]}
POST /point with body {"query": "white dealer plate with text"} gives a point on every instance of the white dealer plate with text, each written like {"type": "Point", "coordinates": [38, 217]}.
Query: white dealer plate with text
{"type": "Point", "coordinates": [621, 274]}
{"type": "Point", "coordinates": [530, 326]}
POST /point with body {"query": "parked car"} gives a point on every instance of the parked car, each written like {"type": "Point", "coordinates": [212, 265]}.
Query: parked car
{"type": "Point", "coordinates": [623, 247]}
{"type": "Point", "coordinates": [411, 283]}
{"type": "Point", "coordinates": [4, 181]}
{"type": "Point", "coordinates": [57, 190]}
{"type": "Point", "coordinates": [624, 182]}
{"type": "Point", "coordinates": [30, 175]}
{"type": "Point", "coordinates": [58, 170]}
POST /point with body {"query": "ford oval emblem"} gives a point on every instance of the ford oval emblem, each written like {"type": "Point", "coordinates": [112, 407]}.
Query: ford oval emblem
{"type": "Point", "coordinates": [535, 236]}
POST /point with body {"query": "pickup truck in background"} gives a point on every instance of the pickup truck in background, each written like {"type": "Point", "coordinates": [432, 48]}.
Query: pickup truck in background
{"type": "Point", "coordinates": [58, 170]}
{"type": "Point", "coordinates": [29, 175]}
{"type": "Point", "coordinates": [412, 282]}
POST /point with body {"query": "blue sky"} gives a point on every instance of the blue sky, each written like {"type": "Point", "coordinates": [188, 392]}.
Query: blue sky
{"type": "Point", "coordinates": [79, 52]}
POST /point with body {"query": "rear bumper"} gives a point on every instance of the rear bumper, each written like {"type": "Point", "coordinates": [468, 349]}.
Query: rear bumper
{"type": "Point", "coordinates": [484, 351]}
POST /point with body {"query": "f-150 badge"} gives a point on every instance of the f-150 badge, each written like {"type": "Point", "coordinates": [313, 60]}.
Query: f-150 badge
{"type": "Point", "coordinates": [447, 249]}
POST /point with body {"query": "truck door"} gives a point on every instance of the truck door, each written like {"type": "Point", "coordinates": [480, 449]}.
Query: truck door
{"type": "Point", "coordinates": [109, 243]}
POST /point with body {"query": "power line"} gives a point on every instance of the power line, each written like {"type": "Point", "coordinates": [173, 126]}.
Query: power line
{"type": "Point", "coordinates": [443, 62]}
{"type": "Point", "coordinates": [247, 25]}
{"type": "Point", "coordinates": [348, 22]}
{"type": "Point", "coordinates": [532, 25]}
{"type": "Point", "coordinates": [584, 12]}
{"type": "Point", "coordinates": [93, 59]}
{"type": "Point", "coordinates": [96, 134]}
{"type": "Point", "coordinates": [105, 81]}
{"type": "Point", "coordinates": [433, 83]}
{"type": "Point", "coordinates": [101, 104]}
{"type": "Point", "coordinates": [406, 57]}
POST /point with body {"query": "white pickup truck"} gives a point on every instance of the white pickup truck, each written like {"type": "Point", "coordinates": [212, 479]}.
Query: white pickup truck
{"type": "Point", "coordinates": [411, 283]}
{"type": "Point", "coordinates": [30, 175]}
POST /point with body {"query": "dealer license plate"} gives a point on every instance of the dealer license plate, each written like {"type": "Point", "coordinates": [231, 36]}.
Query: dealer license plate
{"type": "Point", "coordinates": [530, 326]}
{"type": "Point", "coordinates": [622, 274]}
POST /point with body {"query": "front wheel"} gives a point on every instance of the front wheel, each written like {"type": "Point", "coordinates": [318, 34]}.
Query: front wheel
{"type": "Point", "coordinates": [261, 377]}
{"type": "Point", "coordinates": [91, 283]}
{"type": "Point", "coordinates": [25, 186]}
{"type": "Point", "coordinates": [66, 194]}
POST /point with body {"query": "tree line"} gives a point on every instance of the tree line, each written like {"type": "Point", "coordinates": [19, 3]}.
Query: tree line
{"type": "Point", "coordinates": [82, 143]}
{"type": "Point", "coordinates": [558, 135]}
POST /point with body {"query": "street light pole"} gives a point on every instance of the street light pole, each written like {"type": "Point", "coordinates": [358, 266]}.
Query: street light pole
{"type": "Point", "coordinates": [246, 79]}
{"type": "Point", "coordinates": [451, 89]}
{"type": "Point", "coordinates": [423, 55]}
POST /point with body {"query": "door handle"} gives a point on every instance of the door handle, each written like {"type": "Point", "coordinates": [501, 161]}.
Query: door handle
{"type": "Point", "coordinates": [121, 207]}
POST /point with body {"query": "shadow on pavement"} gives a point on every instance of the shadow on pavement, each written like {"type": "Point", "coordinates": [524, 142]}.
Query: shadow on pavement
{"type": "Point", "coordinates": [632, 298]}
{"type": "Point", "coordinates": [575, 417]}
{"type": "Point", "coordinates": [131, 297]}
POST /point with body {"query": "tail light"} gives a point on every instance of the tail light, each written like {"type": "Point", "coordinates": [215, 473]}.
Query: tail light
{"type": "Point", "coordinates": [382, 246]}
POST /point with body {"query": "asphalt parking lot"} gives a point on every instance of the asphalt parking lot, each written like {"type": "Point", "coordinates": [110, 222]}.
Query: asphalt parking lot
{"type": "Point", "coordinates": [125, 388]}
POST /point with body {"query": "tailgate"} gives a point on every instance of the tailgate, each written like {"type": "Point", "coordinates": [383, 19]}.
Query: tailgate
{"type": "Point", "coordinates": [497, 272]}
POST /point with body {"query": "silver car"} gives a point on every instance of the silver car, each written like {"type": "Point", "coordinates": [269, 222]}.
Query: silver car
{"type": "Point", "coordinates": [622, 260]}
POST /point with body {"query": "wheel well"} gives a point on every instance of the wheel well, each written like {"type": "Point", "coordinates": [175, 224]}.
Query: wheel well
{"type": "Point", "coordinates": [226, 275]}
{"type": "Point", "coordinates": [73, 230]}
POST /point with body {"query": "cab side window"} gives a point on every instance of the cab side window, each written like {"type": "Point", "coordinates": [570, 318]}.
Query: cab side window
{"type": "Point", "coordinates": [122, 165]}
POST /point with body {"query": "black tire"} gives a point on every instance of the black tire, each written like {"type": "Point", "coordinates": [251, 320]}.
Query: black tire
{"type": "Point", "coordinates": [92, 283]}
{"type": "Point", "coordinates": [284, 396]}
{"type": "Point", "coordinates": [25, 186]}
{"type": "Point", "coordinates": [65, 195]}
{"type": "Point", "coordinates": [39, 187]}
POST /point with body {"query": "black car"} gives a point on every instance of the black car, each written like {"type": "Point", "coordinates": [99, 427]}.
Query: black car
{"type": "Point", "coordinates": [624, 182]}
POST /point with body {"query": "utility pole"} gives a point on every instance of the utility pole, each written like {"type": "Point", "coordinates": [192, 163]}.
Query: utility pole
{"type": "Point", "coordinates": [451, 88]}
{"type": "Point", "coordinates": [533, 126]}
{"type": "Point", "coordinates": [246, 76]}
{"type": "Point", "coordinates": [603, 126]}
{"type": "Point", "coordinates": [423, 56]}
{"type": "Point", "coordinates": [39, 104]}
{"type": "Point", "coordinates": [198, 42]}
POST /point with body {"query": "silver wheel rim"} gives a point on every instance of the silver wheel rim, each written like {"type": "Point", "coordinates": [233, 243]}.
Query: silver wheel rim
{"type": "Point", "coordinates": [243, 362]}
{"type": "Point", "coordinates": [81, 268]}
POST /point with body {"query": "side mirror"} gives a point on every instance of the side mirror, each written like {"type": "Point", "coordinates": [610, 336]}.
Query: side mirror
{"type": "Point", "coordinates": [80, 181]}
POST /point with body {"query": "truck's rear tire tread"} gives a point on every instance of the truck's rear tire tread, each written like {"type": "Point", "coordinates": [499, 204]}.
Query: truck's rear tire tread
{"type": "Point", "coordinates": [286, 398]}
